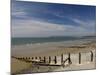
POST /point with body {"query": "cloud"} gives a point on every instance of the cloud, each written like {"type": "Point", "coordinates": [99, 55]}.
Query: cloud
{"type": "Point", "coordinates": [44, 21]}
{"type": "Point", "coordinates": [34, 28]}
{"type": "Point", "coordinates": [18, 12]}
{"type": "Point", "coordinates": [88, 24]}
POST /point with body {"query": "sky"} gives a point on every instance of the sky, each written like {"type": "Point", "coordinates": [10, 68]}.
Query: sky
{"type": "Point", "coordinates": [37, 19]}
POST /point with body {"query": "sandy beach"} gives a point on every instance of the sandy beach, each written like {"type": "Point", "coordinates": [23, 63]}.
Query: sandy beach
{"type": "Point", "coordinates": [49, 37]}
{"type": "Point", "coordinates": [54, 49]}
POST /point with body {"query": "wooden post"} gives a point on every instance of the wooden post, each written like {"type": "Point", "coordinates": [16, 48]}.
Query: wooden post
{"type": "Point", "coordinates": [26, 59]}
{"type": "Point", "coordinates": [55, 59]}
{"type": "Point", "coordinates": [40, 58]}
{"type": "Point", "coordinates": [61, 58]}
{"type": "Point", "coordinates": [91, 56]}
{"type": "Point", "coordinates": [35, 57]}
{"type": "Point", "coordinates": [79, 58]}
{"type": "Point", "coordinates": [44, 59]}
{"type": "Point", "coordinates": [49, 59]}
{"type": "Point", "coordinates": [69, 59]}
{"type": "Point", "coordinates": [32, 57]}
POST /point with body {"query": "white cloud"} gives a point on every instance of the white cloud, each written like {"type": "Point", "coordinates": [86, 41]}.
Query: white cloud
{"type": "Point", "coordinates": [86, 24]}
{"type": "Point", "coordinates": [18, 13]}
{"type": "Point", "coordinates": [32, 28]}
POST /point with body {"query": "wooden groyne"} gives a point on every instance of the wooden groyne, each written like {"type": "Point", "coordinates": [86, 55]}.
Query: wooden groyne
{"type": "Point", "coordinates": [62, 60]}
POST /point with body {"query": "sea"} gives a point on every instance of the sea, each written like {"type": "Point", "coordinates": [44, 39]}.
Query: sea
{"type": "Point", "coordinates": [40, 40]}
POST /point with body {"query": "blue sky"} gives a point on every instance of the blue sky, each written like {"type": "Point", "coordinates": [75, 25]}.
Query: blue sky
{"type": "Point", "coordinates": [34, 19]}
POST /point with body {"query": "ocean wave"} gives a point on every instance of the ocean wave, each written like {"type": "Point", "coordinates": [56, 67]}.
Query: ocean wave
{"type": "Point", "coordinates": [51, 43]}
{"type": "Point", "coordinates": [29, 44]}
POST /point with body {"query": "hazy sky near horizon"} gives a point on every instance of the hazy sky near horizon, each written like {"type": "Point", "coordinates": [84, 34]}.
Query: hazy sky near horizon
{"type": "Point", "coordinates": [36, 19]}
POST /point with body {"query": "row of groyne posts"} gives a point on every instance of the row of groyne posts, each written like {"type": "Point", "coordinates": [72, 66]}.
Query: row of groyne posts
{"type": "Point", "coordinates": [46, 61]}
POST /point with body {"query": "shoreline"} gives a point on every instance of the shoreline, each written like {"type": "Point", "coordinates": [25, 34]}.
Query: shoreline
{"type": "Point", "coordinates": [46, 48]}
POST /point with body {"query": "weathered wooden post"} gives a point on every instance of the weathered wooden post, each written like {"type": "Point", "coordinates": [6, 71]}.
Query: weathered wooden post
{"type": "Point", "coordinates": [35, 57]}
{"type": "Point", "coordinates": [32, 57]}
{"type": "Point", "coordinates": [40, 58]}
{"type": "Point", "coordinates": [69, 59]}
{"type": "Point", "coordinates": [91, 56]}
{"type": "Point", "coordinates": [49, 59]}
{"type": "Point", "coordinates": [61, 58]}
{"type": "Point", "coordinates": [55, 59]}
{"type": "Point", "coordinates": [44, 59]}
{"type": "Point", "coordinates": [26, 59]}
{"type": "Point", "coordinates": [79, 58]}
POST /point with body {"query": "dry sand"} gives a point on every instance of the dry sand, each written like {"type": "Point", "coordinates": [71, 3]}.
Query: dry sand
{"type": "Point", "coordinates": [18, 66]}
